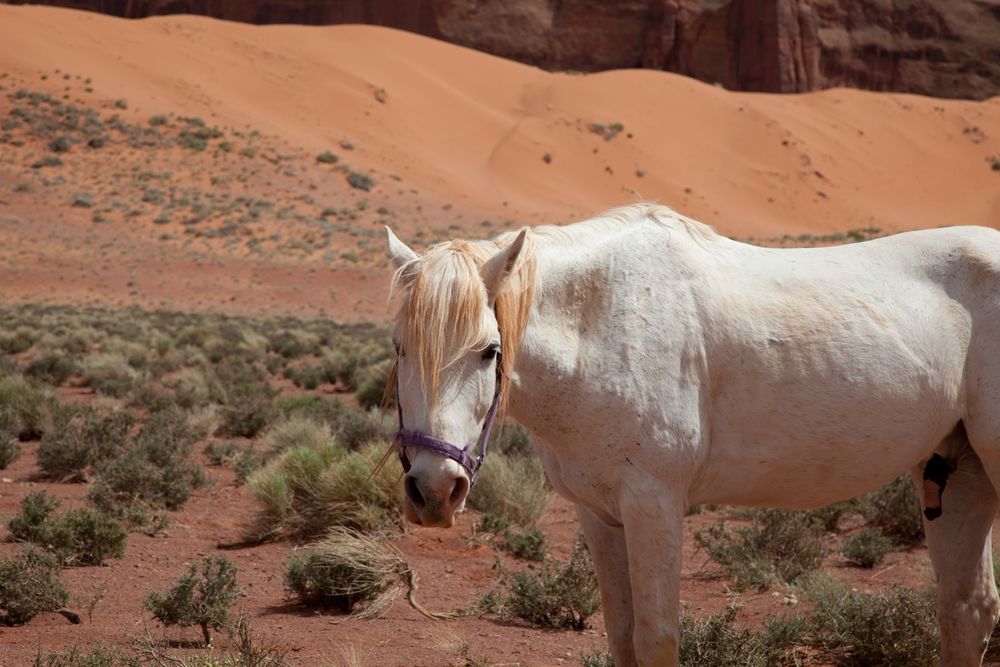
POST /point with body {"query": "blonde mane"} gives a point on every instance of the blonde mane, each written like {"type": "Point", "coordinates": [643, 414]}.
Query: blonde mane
{"type": "Point", "coordinates": [440, 316]}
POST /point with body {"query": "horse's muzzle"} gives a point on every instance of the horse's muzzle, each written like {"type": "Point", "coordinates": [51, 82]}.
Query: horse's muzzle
{"type": "Point", "coordinates": [434, 504]}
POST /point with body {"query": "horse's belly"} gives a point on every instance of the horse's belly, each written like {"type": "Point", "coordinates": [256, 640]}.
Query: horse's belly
{"type": "Point", "coordinates": [797, 452]}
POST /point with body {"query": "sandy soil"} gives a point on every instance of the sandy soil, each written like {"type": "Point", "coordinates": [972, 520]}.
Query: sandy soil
{"type": "Point", "coordinates": [456, 143]}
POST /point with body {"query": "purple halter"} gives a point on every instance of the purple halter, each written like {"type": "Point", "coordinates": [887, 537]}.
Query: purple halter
{"type": "Point", "coordinates": [404, 438]}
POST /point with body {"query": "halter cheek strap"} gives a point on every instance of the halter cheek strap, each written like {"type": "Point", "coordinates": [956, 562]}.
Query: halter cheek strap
{"type": "Point", "coordinates": [404, 438]}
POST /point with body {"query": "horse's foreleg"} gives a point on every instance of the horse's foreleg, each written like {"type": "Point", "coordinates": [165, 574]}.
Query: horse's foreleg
{"type": "Point", "coordinates": [654, 535]}
{"type": "Point", "coordinates": [960, 550]}
{"type": "Point", "coordinates": [607, 549]}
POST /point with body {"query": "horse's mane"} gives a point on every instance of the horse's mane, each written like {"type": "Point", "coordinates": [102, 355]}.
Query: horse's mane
{"type": "Point", "coordinates": [440, 316]}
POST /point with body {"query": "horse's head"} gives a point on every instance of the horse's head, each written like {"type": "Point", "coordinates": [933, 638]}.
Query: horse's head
{"type": "Point", "coordinates": [460, 320]}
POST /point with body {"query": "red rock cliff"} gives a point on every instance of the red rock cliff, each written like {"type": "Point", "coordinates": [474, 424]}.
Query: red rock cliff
{"type": "Point", "coordinates": [946, 48]}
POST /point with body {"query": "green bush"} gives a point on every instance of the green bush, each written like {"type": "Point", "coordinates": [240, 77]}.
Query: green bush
{"type": "Point", "coordinates": [778, 544]}
{"type": "Point", "coordinates": [317, 408]}
{"type": "Point", "coordinates": [372, 385]}
{"type": "Point", "coordinates": [718, 642]}
{"type": "Point", "coordinates": [867, 548]}
{"type": "Point", "coordinates": [357, 428]}
{"type": "Point", "coordinates": [99, 656]}
{"type": "Point", "coordinates": [201, 599]}
{"type": "Point", "coordinates": [897, 628]}
{"type": "Point", "coordinates": [53, 369]}
{"type": "Point", "coordinates": [554, 596]}
{"type": "Point", "coordinates": [597, 659]}
{"type": "Point", "coordinates": [10, 449]}
{"type": "Point", "coordinates": [153, 473]}
{"type": "Point", "coordinates": [29, 585]}
{"type": "Point", "coordinates": [895, 508]}
{"type": "Point", "coordinates": [77, 537]}
{"type": "Point", "coordinates": [511, 439]}
{"type": "Point", "coordinates": [83, 440]}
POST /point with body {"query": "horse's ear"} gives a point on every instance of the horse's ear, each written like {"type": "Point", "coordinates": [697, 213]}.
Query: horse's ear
{"type": "Point", "coordinates": [398, 251]}
{"type": "Point", "coordinates": [497, 268]}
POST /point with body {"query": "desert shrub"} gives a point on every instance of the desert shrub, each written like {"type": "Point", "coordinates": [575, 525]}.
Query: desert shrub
{"type": "Point", "coordinates": [597, 659]}
{"type": "Point", "coordinates": [828, 517]}
{"type": "Point", "coordinates": [110, 373]}
{"type": "Point", "coordinates": [29, 585]}
{"type": "Point", "coordinates": [82, 440]}
{"type": "Point", "coordinates": [317, 408]}
{"type": "Point", "coordinates": [27, 407]}
{"type": "Point", "coordinates": [778, 544]}
{"type": "Point", "coordinates": [201, 599]}
{"type": "Point", "coordinates": [98, 656]}
{"type": "Point", "coordinates": [361, 181]}
{"type": "Point", "coordinates": [305, 376]}
{"type": "Point", "coordinates": [154, 472]}
{"type": "Point", "coordinates": [895, 508]}
{"type": "Point", "coordinates": [18, 341]}
{"type": "Point", "coordinates": [245, 650]}
{"type": "Point", "coordinates": [77, 537]}
{"type": "Point", "coordinates": [294, 343]}
{"type": "Point", "coordinates": [54, 369]}
{"type": "Point", "coordinates": [528, 544]}
{"type": "Point", "coordinates": [296, 431]}
{"type": "Point", "coordinates": [897, 628]}
{"type": "Point", "coordinates": [10, 449]}
{"type": "Point", "coordinates": [372, 384]}
{"type": "Point", "coordinates": [345, 569]}
{"type": "Point", "coordinates": [326, 157]}
{"type": "Point", "coordinates": [306, 491]}
{"type": "Point", "coordinates": [248, 414]}
{"type": "Point", "coordinates": [718, 642]}
{"type": "Point", "coordinates": [356, 428]}
{"type": "Point", "coordinates": [513, 488]}
{"type": "Point", "coordinates": [511, 439]}
{"type": "Point", "coordinates": [866, 548]}
{"type": "Point", "coordinates": [556, 595]}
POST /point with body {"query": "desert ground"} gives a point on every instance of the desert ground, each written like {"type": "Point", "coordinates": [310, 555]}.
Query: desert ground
{"type": "Point", "coordinates": [188, 165]}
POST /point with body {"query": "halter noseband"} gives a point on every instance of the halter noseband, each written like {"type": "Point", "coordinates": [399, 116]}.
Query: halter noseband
{"type": "Point", "coordinates": [460, 455]}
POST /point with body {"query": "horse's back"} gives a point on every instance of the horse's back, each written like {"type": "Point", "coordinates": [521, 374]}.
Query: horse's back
{"type": "Point", "coordinates": [821, 357]}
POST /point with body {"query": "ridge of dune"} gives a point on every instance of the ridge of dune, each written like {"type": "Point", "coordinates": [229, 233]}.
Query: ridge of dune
{"type": "Point", "coordinates": [494, 135]}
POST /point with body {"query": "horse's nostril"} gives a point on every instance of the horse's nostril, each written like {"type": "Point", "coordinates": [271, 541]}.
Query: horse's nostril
{"type": "Point", "coordinates": [457, 491]}
{"type": "Point", "coordinates": [412, 492]}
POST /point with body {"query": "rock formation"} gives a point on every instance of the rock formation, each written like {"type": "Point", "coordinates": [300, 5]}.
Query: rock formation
{"type": "Point", "coordinates": [945, 48]}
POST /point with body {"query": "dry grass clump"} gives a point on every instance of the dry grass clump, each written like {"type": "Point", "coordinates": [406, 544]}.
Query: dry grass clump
{"type": "Point", "coordinates": [110, 373]}
{"type": "Point", "coordinates": [348, 568]}
{"type": "Point", "coordinates": [306, 491]}
{"type": "Point", "coordinates": [27, 407]}
{"type": "Point", "coordinates": [511, 487]}
{"type": "Point", "coordinates": [297, 430]}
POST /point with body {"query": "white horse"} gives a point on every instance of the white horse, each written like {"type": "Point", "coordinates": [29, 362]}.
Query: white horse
{"type": "Point", "coordinates": [660, 365]}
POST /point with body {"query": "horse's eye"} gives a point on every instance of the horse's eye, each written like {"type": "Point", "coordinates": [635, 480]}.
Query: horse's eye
{"type": "Point", "coordinates": [491, 352]}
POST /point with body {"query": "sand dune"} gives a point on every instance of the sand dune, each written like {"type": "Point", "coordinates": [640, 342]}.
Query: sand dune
{"type": "Point", "coordinates": [475, 130]}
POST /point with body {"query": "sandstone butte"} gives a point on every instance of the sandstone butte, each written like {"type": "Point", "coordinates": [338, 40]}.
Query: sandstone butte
{"type": "Point", "coordinates": [942, 48]}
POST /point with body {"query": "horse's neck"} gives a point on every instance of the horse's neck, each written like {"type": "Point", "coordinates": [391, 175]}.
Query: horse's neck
{"type": "Point", "coordinates": [568, 295]}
